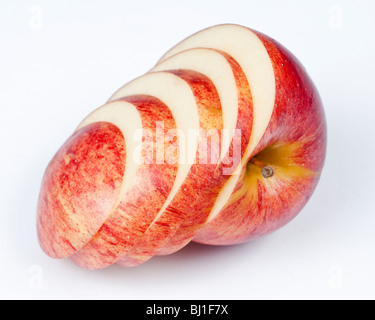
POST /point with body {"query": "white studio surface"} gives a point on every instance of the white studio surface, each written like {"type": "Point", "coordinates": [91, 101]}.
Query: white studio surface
{"type": "Point", "coordinates": [60, 60]}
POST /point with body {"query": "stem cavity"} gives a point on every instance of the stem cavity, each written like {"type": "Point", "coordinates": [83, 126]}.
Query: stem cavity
{"type": "Point", "coordinates": [266, 170]}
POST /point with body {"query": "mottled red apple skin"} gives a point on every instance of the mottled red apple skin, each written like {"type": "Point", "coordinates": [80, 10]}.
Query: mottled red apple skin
{"type": "Point", "coordinates": [131, 217]}
{"type": "Point", "coordinates": [79, 188]}
{"type": "Point", "coordinates": [192, 205]}
{"type": "Point", "coordinates": [296, 136]}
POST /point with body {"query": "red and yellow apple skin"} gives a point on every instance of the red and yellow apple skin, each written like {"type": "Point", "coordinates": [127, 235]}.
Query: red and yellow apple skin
{"type": "Point", "coordinates": [293, 146]}
{"type": "Point", "coordinates": [70, 212]}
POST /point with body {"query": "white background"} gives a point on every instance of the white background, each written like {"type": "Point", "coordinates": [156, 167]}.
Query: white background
{"type": "Point", "coordinates": [59, 60]}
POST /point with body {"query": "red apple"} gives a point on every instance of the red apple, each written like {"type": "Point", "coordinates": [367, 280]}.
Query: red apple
{"type": "Point", "coordinates": [234, 140]}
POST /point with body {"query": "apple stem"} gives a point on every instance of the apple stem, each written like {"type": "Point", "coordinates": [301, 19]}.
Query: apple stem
{"type": "Point", "coordinates": [267, 171]}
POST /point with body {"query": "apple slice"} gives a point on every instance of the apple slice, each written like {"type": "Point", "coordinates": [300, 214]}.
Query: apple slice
{"type": "Point", "coordinates": [286, 166]}
{"type": "Point", "coordinates": [234, 97]}
{"type": "Point", "coordinates": [70, 213]}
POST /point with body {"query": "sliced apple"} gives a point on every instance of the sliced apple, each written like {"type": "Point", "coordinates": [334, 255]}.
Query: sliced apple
{"type": "Point", "coordinates": [234, 97]}
{"type": "Point", "coordinates": [102, 203]}
{"type": "Point", "coordinates": [244, 46]}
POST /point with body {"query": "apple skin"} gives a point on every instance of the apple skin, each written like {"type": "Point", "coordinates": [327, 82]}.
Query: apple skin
{"type": "Point", "coordinates": [70, 212]}
{"type": "Point", "coordinates": [294, 144]}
